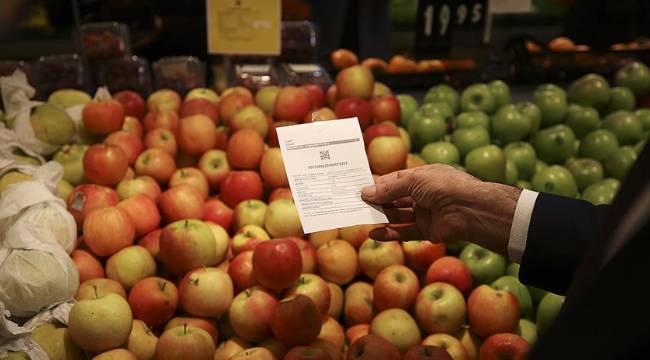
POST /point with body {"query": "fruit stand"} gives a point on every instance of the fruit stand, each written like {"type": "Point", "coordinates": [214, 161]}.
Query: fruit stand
{"type": "Point", "coordinates": [149, 199]}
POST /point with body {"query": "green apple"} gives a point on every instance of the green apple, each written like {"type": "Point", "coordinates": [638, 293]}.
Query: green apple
{"type": "Point", "coordinates": [539, 166]}
{"type": "Point", "coordinates": [519, 290]}
{"type": "Point", "coordinates": [408, 106]}
{"type": "Point", "coordinates": [549, 87]}
{"type": "Point", "coordinates": [472, 118]}
{"type": "Point", "coordinates": [639, 147]}
{"type": "Point", "coordinates": [63, 189]}
{"type": "Point", "coordinates": [523, 155]}
{"type": "Point", "coordinates": [612, 183]}
{"type": "Point", "coordinates": [592, 90]}
{"type": "Point", "coordinates": [478, 97]}
{"type": "Point", "coordinates": [501, 92]}
{"type": "Point", "coordinates": [52, 125]}
{"type": "Point", "coordinates": [100, 323]}
{"type": "Point", "coordinates": [582, 119]}
{"type": "Point", "coordinates": [597, 144]}
{"type": "Point", "coordinates": [66, 98]}
{"type": "Point", "coordinates": [552, 104]}
{"type": "Point", "coordinates": [524, 184]}
{"type": "Point", "coordinates": [468, 139]}
{"type": "Point", "coordinates": [555, 145]}
{"type": "Point", "coordinates": [445, 94]}
{"type": "Point", "coordinates": [456, 247]}
{"type": "Point", "coordinates": [636, 76]}
{"type": "Point", "coordinates": [71, 157]}
{"type": "Point", "coordinates": [56, 342]}
{"type": "Point", "coordinates": [599, 193]}
{"type": "Point", "coordinates": [585, 171]}
{"type": "Point", "coordinates": [425, 129]}
{"type": "Point", "coordinates": [619, 162]}
{"type": "Point", "coordinates": [621, 98]}
{"type": "Point", "coordinates": [527, 330]}
{"type": "Point", "coordinates": [487, 163]}
{"type": "Point", "coordinates": [547, 311]}
{"type": "Point", "coordinates": [625, 125]}
{"type": "Point", "coordinates": [22, 156]}
{"type": "Point", "coordinates": [264, 98]}
{"type": "Point", "coordinates": [12, 177]}
{"type": "Point", "coordinates": [644, 116]}
{"type": "Point", "coordinates": [533, 112]}
{"type": "Point", "coordinates": [557, 180]}
{"type": "Point", "coordinates": [438, 109]}
{"type": "Point", "coordinates": [535, 294]}
{"type": "Point", "coordinates": [513, 269]}
{"type": "Point", "coordinates": [512, 175]}
{"type": "Point", "coordinates": [440, 152]}
{"type": "Point", "coordinates": [458, 167]}
{"type": "Point", "coordinates": [16, 355]}
{"type": "Point", "coordinates": [508, 124]}
{"type": "Point", "coordinates": [485, 265]}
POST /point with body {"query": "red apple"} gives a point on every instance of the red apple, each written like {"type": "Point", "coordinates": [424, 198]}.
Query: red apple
{"type": "Point", "coordinates": [354, 107]}
{"type": "Point", "coordinates": [292, 103]}
{"type": "Point", "coordinates": [491, 311]}
{"type": "Point", "coordinates": [206, 324]}
{"type": "Point", "coordinates": [181, 202]}
{"type": "Point", "coordinates": [250, 117]}
{"type": "Point", "coordinates": [193, 177]}
{"type": "Point", "coordinates": [196, 134]}
{"type": "Point", "coordinates": [143, 213]}
{"type": "Point", "coordinates": [93, 288]}
{"type": "Point", "coordinates": [165, 119]}
{"type": "Point", "coordinates": [385, 108]}
{"type": "Point", "coordinates": [151, 242]}
{"type": "Point", "coordinates": [440, 308]}
{"type": "Point", "coordinates": [296, 321]}
{"type": "Point", "coordinates": [387, 154]}
{"type": "Point", "coordinates": [185, 342]}
{"type": "Point", "coordinates": [449, 343]}
{"type": "Point", "coordinates": [130, 144]}
{"type": "Point", "coordinates": [316, 95]}
{"type": "Point", "coordinates": [315, 288]}
{"type": "Point", "coordinates": [89, 267]}
{"type": "Point", "coordinates": [206, 292]}
{"type": "Point", "coordinates": [238, 186]}
{"type": "Point", "coordinates": [186, 245]}
{"type": "Point", "coordinates": [105, 164]}
{"type": "Point", "coordinates": [307, 353]}
{"type": "Point", "coordinates": [355, 234]}
{"type": "Point", "coordinates": [427, 352]}
{"type": "Point", "coordinates": [420, 254]}
{"type": "Point", "coordinates": [107, 230]}
{"type": "Point", "coordinates": [336, 301]}
{"type": "Point", "coordinates": [280, 193]}
{"type": "Point", "coordinates": [241, 271]}
{"type": "Point", "coordinates": [451, 270]}
{"type": "Point", "coordinates": [132, 102]}
{"type": "Point", "coordinates": [186, 160]}
{"type": "Point", "coordinates": [373, 347]}
{"type": "Point", "coordinates": [337, 262]}
{"type": "Point", "coordinates": [377, 130]}
{"type": "Point", "coordinates": [89, 197]}
{"type": "Point", "coordinates": [156, 163]}
{"type": "Point", "coordinates": [251, 312]}
{"type": "Point", "coordinates": [332, 95]}
{"type": "Point", "coordinates": [355, 332]}
{"type": "Point", "coordinates": [245, 149]}
{"type": "Point", "coordinates": [358, 304]}
{"type": "Point", "coordinates": [395, 287]}
{"type": "Point", "coordinates": [230, 104]}
{"type": "Point", "coordinates": [214, 165]}
{"type": "Point", "coordinates": [329, 348]}
{"type": "Point", "coordinates": [272, 169]}
{"type": "Point", "coordinates": [355, 81]}
{"type": "Point", "coordinates": [161, 138]}
{"type": "Point", "coordinates": [277, 263]}
{"type": "Point", "coordinates": [139, 185]}
{"type": "Point", "coordinates": [504, 346]}
{"type": "Point", "coordinates": [319, 238]}
{"type": "Point", "coordinates": [164, 99]}
{"type": "Point", "coordinates": [133, 126]}
{"type": "Point", "coordinates": [238, 90]}
{"type": "Point", "coordinates": [217, 212]}
{"type": "Point", "coordinates": [375, 256]}
{"type": "Point", "coordinates": [153, 300]}
{"type": "Point", "coordinates": [103, 117]}
{"type": "Point", "coordinates": [247, 238]}
{"type": "Point", "coordinates": [272, 140]}
{"type": "Point", "coordinates": [200, 106]}
{"type": "Point", "coordinates": [307, 253]}
{"type": "Point", "coordinates": [332, 331]}
{"type": "Point", "coordinates": [129, 265]}
{"type": "Point", "coordinates": [321, 114]}
{"type": "Point", "coordinates": [223, 134]}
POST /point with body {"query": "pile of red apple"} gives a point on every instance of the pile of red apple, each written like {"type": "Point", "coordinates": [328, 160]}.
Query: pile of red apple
{"type": "Point", "coordinates": [191, 246]}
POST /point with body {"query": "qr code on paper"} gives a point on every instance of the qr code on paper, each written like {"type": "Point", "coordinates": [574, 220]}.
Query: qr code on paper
{"type": "Point", "coordinates": [325, 155]}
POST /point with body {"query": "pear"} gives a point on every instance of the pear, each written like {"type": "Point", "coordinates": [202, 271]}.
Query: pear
{"type": "Point", "coordinates": [56, 342]}
{"type": "Point", "coordinates": [66, 98]}
{"type": "Point", "coordinates": [21, 156]}
{"type": "Point", "coordinates": [71, 157]}
{"type": "Point", "coordinates": [52, 125]}
{"type": "Point", "coordinates": [16, 355]}
{"type": "Point", "coordinates": [12, 177]}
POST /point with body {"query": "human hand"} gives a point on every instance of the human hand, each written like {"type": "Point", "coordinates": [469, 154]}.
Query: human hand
{"type": "Point", "coordinates": [443, 204]}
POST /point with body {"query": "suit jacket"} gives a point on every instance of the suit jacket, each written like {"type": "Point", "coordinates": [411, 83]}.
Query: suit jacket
{"type": "Point", "coordinates": [606, 314]}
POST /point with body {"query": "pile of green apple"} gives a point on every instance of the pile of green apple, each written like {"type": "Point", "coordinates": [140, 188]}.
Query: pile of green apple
{"type": "Point", "coordinates": [579, 142]}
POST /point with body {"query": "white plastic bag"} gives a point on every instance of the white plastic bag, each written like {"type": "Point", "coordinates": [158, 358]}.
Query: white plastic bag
{"type": "Point", "coordinates": [17, 338]}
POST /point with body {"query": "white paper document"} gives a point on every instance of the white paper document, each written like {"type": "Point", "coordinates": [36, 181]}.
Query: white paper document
{"type": "Point", "coordinates": [327, 166]}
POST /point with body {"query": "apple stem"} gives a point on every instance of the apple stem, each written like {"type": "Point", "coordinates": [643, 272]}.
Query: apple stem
{"type": "Point", "coordinates": [163, 285]}
{"type": "Point", "coordinates": [184, 329]}
{"type": "Point", "coordinates": [95, 290]}
{"type": "Point", "coordinates": [186, 223]}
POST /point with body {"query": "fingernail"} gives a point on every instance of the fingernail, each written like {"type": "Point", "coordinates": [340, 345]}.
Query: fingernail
{"type": "Point", "coordinates": [369, 191]}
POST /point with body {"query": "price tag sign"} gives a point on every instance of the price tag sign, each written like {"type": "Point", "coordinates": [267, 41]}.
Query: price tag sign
{"type": "Point", "coordinates": [438, 19]}
{"type": "Point", "coordinates": [244, 27]}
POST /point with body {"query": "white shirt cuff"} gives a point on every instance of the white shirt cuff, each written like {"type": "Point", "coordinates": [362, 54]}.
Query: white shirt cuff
{"type": "Point", "coordinates": [520, 223]}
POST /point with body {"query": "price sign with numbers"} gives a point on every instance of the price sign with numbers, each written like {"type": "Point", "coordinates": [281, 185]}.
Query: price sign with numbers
{"type": "Point", "coordinates": [438, 19]}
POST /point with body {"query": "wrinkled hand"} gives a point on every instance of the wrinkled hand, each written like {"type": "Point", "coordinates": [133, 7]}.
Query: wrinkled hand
{"type": "Point", "coordinates": [442, 204]}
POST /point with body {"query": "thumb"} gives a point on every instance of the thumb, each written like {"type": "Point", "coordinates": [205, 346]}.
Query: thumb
{"type": "Point", "coordinates": [388, 191]}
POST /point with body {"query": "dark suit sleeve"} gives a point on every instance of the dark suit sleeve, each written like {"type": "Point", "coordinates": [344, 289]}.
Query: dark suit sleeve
{"type": "Point", "coordinates": [560, 232]}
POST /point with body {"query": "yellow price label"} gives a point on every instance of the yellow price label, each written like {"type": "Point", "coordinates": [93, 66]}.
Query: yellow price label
{"type": "Point", "coordinates": [250, 27]}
